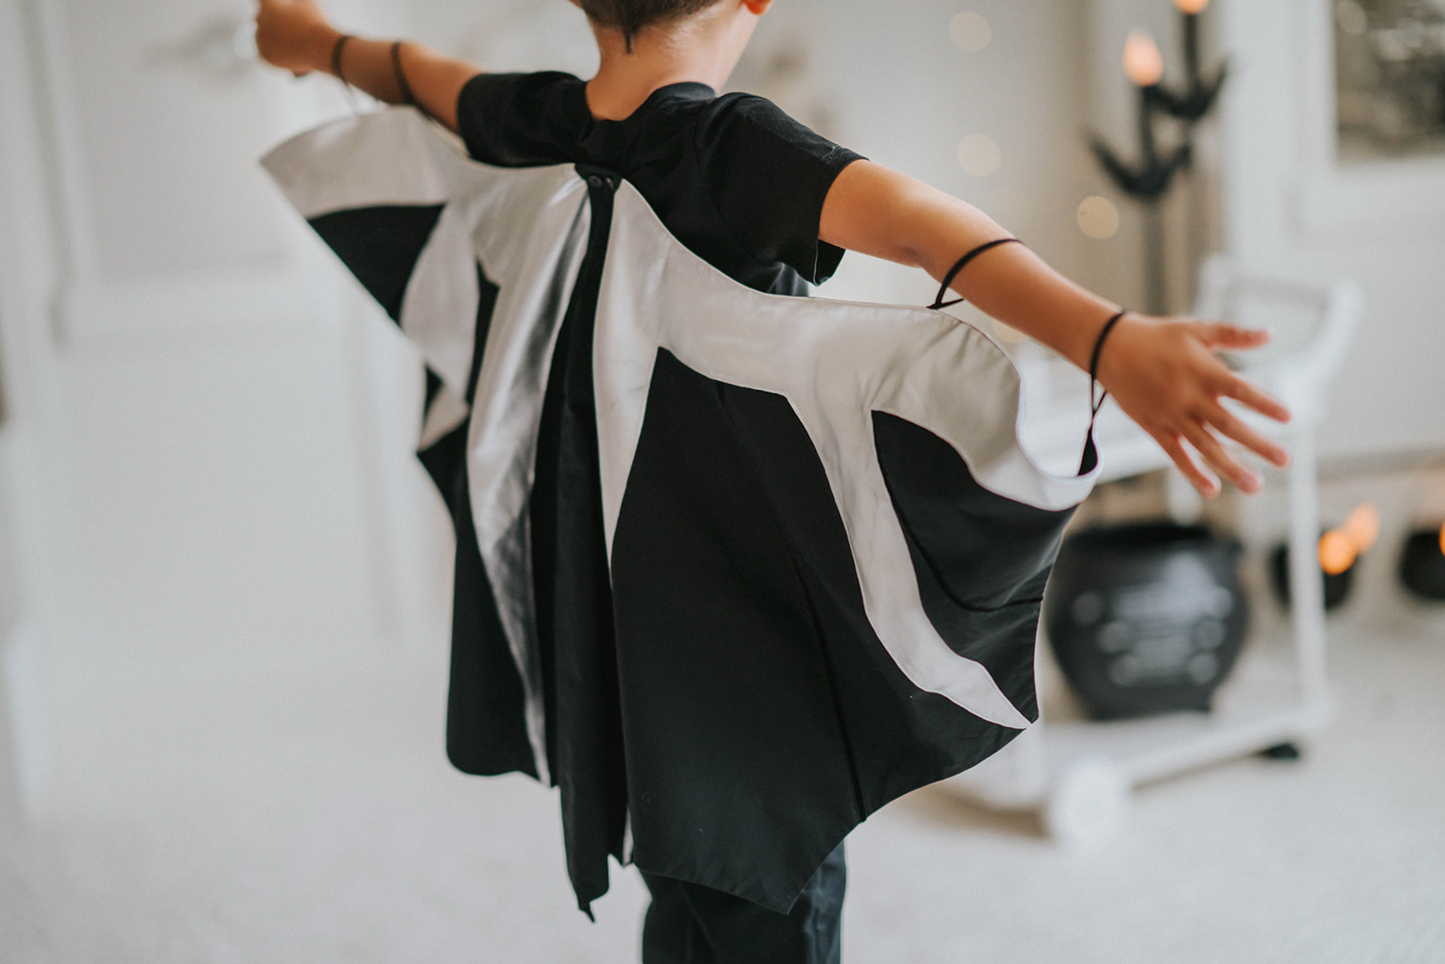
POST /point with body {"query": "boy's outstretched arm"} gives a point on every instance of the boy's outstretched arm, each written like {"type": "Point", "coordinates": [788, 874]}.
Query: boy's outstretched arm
{"type": "Point", "coordinates": [1163, 373]}
{"type": "Point", "coordinates": [295, 35]}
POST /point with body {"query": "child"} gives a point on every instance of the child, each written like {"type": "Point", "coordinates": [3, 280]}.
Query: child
{"type": "Point", "coordinates": [772, 204]}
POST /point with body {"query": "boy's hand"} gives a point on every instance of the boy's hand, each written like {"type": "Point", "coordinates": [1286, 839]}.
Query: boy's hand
{"type": "Point", "coordinates": [1165, 375]}
{"type": "Point", "coordinates": [294, 35]}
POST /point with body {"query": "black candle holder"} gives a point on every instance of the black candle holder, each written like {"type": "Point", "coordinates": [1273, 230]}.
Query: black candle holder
{"type": "Point", "coordinates": [1151, 178]}
{"type": "Point", "coordinates": [1198, 98]}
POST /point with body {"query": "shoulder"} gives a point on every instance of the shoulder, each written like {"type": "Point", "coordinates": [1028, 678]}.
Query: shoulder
{"type": "Point", "coordinates": [768, 175]}
{"type": "Point", "coordinates": [521, 119]}
{"type": "Point", "coordinates": [746, 128]}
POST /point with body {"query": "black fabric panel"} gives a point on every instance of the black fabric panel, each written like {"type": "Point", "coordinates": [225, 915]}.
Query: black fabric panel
{"type": "Point", "coordinates": [486, 721]}
{"type": "Point", "coordinates": [736, 759]}
{"type": "Point", "coordinates": [573, 591]}
{"type": "Point", "coordinates": [902, 738]}
{"type": "Point", "coordinates": [432, 390]}
{"type": "Point", "coordinates": [982, 560]}
{"type": "Point", "coordinates": [487, 293]}
{"type": "Point", "coordinates": [380, 245]}
{"type": "Point", "coordinates": [763, 716]}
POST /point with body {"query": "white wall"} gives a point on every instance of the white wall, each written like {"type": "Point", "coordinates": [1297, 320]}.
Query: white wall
{"type": "Point", "coordinates": [209, 431]}
{"type": "Point", "coordinates": [1290, 208]}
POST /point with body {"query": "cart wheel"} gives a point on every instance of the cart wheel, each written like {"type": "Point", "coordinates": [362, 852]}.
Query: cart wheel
{"type": "Point", "coordinates": [1088, 805]}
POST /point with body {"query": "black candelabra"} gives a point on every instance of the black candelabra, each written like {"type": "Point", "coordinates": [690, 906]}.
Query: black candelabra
{"type": "Point", "coordinates": [1150, 178]}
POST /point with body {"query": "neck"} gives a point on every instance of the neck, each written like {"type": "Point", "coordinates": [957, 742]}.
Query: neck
{"type": "Point", "coordinates": [703, 49]}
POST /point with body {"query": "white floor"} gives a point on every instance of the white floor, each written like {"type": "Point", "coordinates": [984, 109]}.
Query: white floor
{"type": "Point", "coordinates": [308, 820]}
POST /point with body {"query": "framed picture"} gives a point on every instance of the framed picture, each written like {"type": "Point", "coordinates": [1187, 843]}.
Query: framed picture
{"type": "Point", "coordinates": [1389, 78]}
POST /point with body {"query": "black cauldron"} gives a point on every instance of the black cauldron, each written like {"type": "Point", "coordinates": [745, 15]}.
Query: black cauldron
{"type": "Point", "coordinates": [1146, 618]}
{"type": "Point", "coordinates": [1422, 565]}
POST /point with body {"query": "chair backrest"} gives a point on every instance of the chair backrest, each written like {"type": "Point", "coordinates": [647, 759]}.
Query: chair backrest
{"type": "Point", "coordinates": [1314, 323]}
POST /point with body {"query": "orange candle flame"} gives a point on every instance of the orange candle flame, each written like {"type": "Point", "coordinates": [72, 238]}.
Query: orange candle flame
{"type": "Point", "coordinates": [1442, 539]}
{"type": "Point", "coordinates": [1337, 552]}
{"type": "Point", "coordinates": [1363, 527]}
{"type": "Point", "coordinates": [1142, 60]}
{"type": "Point", "coordinates": [1191, 6]}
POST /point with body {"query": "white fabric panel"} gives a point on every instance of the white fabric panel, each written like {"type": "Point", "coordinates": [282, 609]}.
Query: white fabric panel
{"type": "Point", "coordinates": [836, 363]}
{"type": "Point", "coordinates": [439, 307]}
{"type": "Point", "coordinates": [447, 411]}
{"type": "Point", "coordinates": [507, 414]}
{"type": "Point", "coordinates": [528, 229]}
{"type": "Point", "coordinates": [306, 165]}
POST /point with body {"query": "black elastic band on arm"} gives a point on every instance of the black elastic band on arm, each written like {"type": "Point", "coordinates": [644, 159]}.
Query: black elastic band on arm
{"type": "Point", "coordinates": [336, 50]}
{"type": "Point", "coordinates": [1090, 460]}
{"type": "Point", "coordinates": [407, 97]}
{"type": "Point", "coordinates": [959, 265]}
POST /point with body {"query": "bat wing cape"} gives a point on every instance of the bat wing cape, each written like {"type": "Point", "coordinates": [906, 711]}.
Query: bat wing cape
{"type": "Point", "coordinates": [733, 570]}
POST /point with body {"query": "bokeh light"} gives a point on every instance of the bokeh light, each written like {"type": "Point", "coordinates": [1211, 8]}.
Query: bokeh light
{"type": "Point", "coordinates": [970, 31]}
{"type": "Point", "coordinates": [979, 155]}
{"type": "Point", "coordinates": [1098, 218]}
{"type": "Point", "coordinates": [1142, 60]}
{"type": "Point", "coordinates": [1363, 527]}
{"type": "Point", "coordinates": [1337, 552]}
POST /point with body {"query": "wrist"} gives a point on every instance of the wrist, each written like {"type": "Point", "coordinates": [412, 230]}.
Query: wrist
{"type": "Point", "coordinates": [321, 44]}
{"type": "Point", "coordinates": [1117, 346]}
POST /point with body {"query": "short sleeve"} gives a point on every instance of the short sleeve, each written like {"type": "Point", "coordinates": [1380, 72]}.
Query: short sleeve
{"type": "Point", "coordinates": [768, 176]}
{"type": "Point", "coordinates": [520, 120]}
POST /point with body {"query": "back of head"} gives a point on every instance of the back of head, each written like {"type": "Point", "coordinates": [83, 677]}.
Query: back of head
{"type": "Point", "coordinates": [631, 16]}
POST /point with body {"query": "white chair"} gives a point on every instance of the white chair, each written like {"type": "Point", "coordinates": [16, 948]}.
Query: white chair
{"type": "Point", "coordinates": [1080, 774]}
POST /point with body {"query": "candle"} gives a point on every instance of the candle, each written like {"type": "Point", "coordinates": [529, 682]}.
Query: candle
{"type": "Point", "coordinates": [1191, 10]}
{"type": "Point", "coordinates": [1145, 67]}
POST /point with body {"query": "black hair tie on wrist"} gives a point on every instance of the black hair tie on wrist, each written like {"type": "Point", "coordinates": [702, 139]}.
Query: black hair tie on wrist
{"type": "Point", "coordinates": [1090, 460]}
{"type": "Point", "coordinates": [959, 265]}
{"type": "Point", "coordinates": [407, 97]}
{"type": "Point", "coordinates": [336, 49]}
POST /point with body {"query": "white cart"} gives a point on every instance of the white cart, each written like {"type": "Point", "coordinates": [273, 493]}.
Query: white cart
{"type": "Point", "coordinates": [1079, 774]}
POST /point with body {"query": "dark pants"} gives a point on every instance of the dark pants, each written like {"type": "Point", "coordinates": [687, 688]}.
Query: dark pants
{"type": "Point", "coordinates": [692, 924]}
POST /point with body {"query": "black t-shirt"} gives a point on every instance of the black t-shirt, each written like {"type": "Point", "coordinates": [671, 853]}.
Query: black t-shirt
{"type": "Point", "coordinates": [734, 178]}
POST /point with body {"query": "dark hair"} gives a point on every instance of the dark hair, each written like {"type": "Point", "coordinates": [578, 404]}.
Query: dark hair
{"type": "Point", "coordinates": [630, 16]}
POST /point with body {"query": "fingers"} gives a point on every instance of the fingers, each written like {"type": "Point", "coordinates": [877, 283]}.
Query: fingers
{"type": "Point", "coordinates": [1234, 428]}
{"type": "Point", "coordinates": [1256, 398]}
{"type": "Point", "coordinates": [1221, 461]}
{"type": "Point", "coordinates": [1219, 334]}
{"type": "Point", "coordinates": [1207, 484]}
